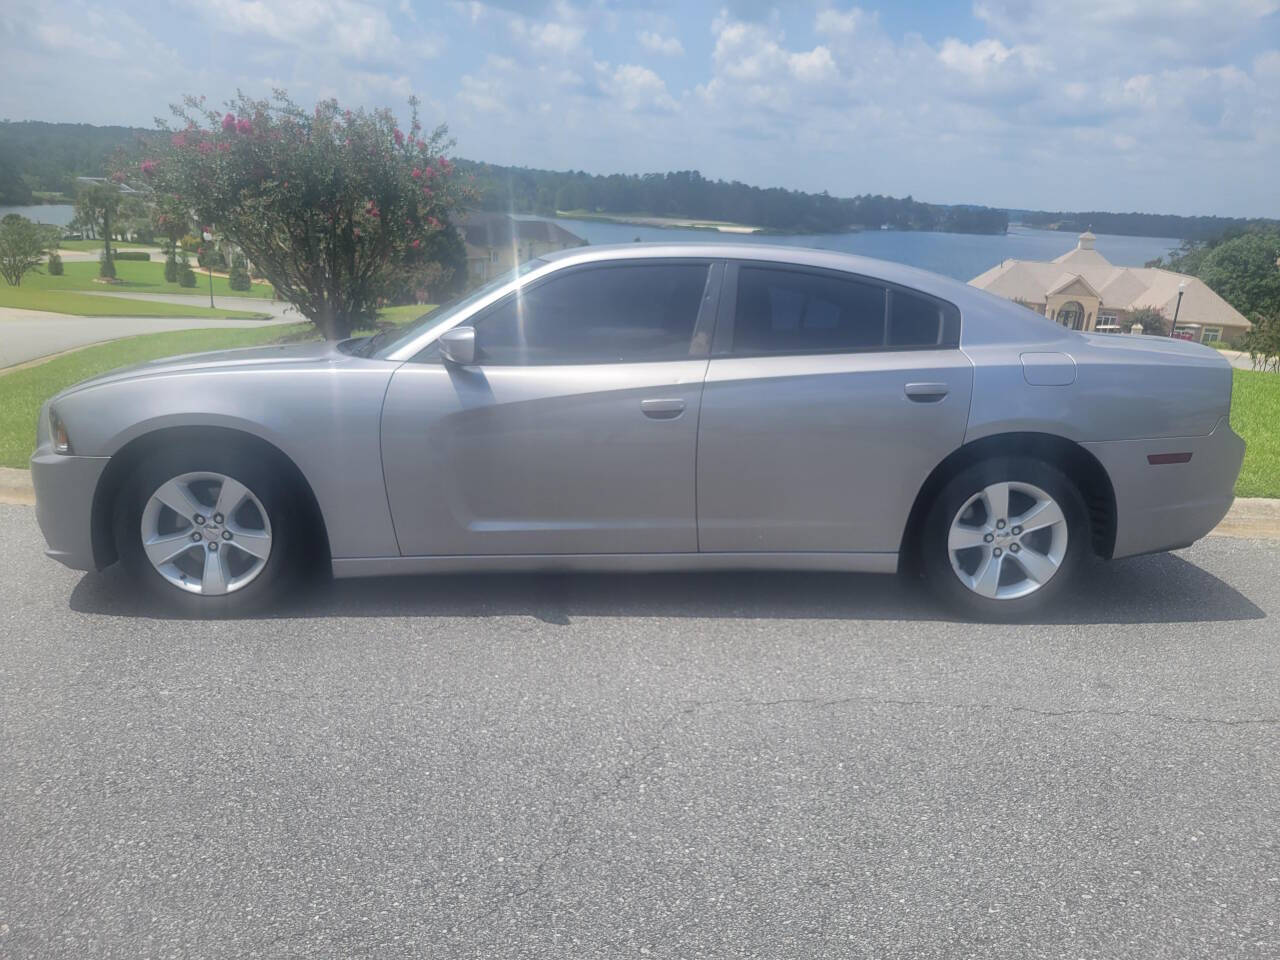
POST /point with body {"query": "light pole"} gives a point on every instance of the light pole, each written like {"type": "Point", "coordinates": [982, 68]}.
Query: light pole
{"type": "Point", "coordinates": [209, 266]}
{"type": "Point", "coordinates": [1173, 327]}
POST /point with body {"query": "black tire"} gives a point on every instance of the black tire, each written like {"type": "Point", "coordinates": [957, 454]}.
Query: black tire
{"type": "Point", "coordinates": [935, 558]}
{"type": "Point", "coordinates": [281, 572]}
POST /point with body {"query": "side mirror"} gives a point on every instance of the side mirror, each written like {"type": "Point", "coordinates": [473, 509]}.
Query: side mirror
{"type": "Point", "coordinates": [459, 346]}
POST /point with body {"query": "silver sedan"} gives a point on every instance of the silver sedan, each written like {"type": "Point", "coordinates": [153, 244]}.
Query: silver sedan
{"type": "Point", "coordinates": [652, 407]}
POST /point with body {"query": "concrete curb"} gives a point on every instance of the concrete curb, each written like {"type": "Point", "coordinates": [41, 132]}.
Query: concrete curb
{"type": "Point", "coordinates": [1251, 517]}
{"type": "Point", "coordinates": [15, 486]}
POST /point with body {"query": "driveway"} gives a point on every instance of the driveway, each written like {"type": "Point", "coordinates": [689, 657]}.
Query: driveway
{"type": "Point", "coordinates": [278, 309]}
{"type": "Point", "coordinates": [1239, 359]}
{"type": "Point", "coordinates": [758, 765]}
{"type": "Point", "coordinates": [30, 334]}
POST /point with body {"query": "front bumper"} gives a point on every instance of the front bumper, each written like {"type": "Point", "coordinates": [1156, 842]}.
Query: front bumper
{"type": "Point", "coordinates": [64, 487]}
{"type": "Point", "coordinates": [1170, 505]}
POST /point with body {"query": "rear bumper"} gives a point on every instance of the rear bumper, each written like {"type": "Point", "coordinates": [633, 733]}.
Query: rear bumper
{"type": "Point", "coordinates": [1170, 505]}
{"type": "Point", "coordinates": [64, 504]}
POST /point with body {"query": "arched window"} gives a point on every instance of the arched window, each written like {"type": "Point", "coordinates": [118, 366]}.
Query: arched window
{"type": "Point", "coordinates": [1071, 314]}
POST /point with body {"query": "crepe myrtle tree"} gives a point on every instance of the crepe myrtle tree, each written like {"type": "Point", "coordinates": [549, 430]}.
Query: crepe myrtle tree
{"type": "Point", "coordinates": [328, 204]}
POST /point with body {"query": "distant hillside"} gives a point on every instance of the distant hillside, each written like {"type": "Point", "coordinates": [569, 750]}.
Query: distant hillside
{"type": "Point", "coordinates": [37, 157]}
{"type": "Point", "coordinates": [1140, 224]}
{"type": "Point", "coordinates": [47, 157]}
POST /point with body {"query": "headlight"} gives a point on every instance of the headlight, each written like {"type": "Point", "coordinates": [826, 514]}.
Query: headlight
{"type": "Point", "coordinates": [58, 430]}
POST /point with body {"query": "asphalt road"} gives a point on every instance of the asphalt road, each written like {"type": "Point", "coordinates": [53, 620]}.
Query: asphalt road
{"type": "Point", "coordinates": [29, 334]}
{"type": "Point", "coordinates": [664, 766]}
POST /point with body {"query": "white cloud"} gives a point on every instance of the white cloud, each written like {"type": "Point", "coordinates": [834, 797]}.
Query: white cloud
{"type": "Point", "coordinates": [639, 88]}
{"type": "Point", "coordinates": [657, 43]}
{"type": "Point", "coordinates": [1156, 104]}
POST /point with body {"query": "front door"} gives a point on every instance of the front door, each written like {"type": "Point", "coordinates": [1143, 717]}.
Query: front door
{"type": "Point", "coordinates": [828, 401]}
{"type": "Point", "coordinates": [575, 431]}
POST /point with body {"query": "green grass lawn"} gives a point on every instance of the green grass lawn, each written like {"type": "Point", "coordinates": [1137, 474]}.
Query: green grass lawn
{"type": "Point", "coordinates": [23, 391]}
{"type": "Point", "coordinates": [135, 276]}
{"type": "Point", "coordinates": [30, 297]}
{"type": "Point", "coordinates": [399, 316]}
{"type": "Point", "coordinates": [1255, 415]}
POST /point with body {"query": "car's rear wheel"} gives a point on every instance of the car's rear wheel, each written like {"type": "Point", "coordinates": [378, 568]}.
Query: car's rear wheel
{"type": "Point", "coordinates": [208, 533]}
{"type": "Point", "coordinates": [1004, 538]}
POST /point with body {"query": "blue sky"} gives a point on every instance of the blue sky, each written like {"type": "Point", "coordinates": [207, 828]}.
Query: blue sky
{"type": "Point", "coordinates": [1168, 106]}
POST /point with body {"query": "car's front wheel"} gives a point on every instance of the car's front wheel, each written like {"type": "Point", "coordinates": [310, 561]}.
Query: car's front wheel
{"type": "Point", "coordinates": [207, 533]}
{"type": "Point", "coordinates": [1004, 537]}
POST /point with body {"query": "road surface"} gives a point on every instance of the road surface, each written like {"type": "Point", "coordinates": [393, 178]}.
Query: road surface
{"type": "Point", "coordinates": [29, 334]}
{"type": "Point", "coordinates": [759, 765]}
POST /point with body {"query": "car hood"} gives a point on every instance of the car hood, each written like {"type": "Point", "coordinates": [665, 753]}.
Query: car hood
{"type": "Point", "coordinates": [272, 356]}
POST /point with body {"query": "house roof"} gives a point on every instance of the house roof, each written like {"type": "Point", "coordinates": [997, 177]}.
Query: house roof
{"type": "Point", "coordinates": [482, 229]}
{"type": "Point", "coordinates": [1117, 288]}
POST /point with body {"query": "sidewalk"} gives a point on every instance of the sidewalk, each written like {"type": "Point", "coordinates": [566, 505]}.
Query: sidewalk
{"type": "Point", "coordinates": [1250, 517]}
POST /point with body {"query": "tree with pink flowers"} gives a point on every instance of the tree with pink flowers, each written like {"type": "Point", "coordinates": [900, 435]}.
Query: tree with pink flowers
{"type": "Point", "coordinates": [328, 204]}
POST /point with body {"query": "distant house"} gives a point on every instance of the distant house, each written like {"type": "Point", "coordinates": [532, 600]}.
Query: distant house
{"type": "Point", "coordinates": [496, 242]}
{"type": "Point", "coordinates": [1085, 291]}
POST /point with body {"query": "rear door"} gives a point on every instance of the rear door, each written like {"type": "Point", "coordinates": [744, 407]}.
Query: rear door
{"type": "Point", "coordinates": [576, 429]}
{"type": "Point", "coordinates": [828, 400]}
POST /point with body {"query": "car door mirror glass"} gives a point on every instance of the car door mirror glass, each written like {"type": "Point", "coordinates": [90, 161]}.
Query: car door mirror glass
{"type": "Point", "coordinates": [459, 345]}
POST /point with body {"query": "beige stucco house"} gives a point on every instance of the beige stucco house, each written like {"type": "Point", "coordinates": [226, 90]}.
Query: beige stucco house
{"type": "Point", "coordinates": [1085, 291]}
{"type": "Point", "coordinates": [497, 242]}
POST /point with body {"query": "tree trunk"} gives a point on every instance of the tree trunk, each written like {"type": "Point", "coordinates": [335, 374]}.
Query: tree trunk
{"type": "Point", "coordinates": [327, 322]}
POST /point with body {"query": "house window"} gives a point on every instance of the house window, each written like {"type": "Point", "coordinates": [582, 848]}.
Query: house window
{"type": "Point", "coordinates": [1211, 335]}
{"type": "Point", "coordinates": [1107, 318]}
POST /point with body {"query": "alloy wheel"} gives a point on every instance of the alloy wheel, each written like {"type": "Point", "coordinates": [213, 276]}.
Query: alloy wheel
{"type": "Point", "coordinates": [206, 533]}
{"type": "Point", "coordinates": [1008, 540]}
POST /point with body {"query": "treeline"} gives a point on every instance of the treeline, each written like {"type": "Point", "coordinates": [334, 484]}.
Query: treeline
{"type": "Point", "coordinates": [1142, 224]}
{"type": "Point", "coordinates": [688, 194]}
{"type": "Point", "coordinates": [38, 157]}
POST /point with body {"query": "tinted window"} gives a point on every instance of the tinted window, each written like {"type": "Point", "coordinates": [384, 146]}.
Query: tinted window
{"type": "Point", "coordinates": [913, 321]}
{"type": "Point", "coordinates": [597, 315]}
{"type": "Point", "coordinates": [781, 311]}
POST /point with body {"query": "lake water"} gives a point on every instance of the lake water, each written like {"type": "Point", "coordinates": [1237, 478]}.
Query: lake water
{"type": "Point", "coordinates": [58, 214]}
{"type": "Point", "coordinates": [959, 255]}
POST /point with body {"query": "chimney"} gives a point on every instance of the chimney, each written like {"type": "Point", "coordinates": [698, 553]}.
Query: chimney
{"type": "Point", "coordinates": [1086, 241]}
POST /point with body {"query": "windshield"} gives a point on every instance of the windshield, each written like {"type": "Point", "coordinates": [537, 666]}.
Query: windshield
{"type": "Point", "coordinates": [451, 308]}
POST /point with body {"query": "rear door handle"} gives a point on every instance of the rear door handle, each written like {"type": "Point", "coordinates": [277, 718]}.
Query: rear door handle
{"type": "Point", "coordinates": [662, 409]}
{"type": "Point", "coordinates": [925, 392]}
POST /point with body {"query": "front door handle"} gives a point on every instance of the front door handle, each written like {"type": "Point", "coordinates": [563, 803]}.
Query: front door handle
{"type": "Point", "coordinates": [663, 409]}
{"type": "Point", "coordinates": [925, 392]}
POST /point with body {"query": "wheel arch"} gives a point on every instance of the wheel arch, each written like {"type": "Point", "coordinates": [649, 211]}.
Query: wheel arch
{"type": "Point", "coordinates": [1079, 464]}
{"type": "Point", "coordinates": [124, 460]}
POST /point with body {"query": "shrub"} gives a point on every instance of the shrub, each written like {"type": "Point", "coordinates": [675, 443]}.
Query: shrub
{"type": "Point", "coordinates": [21, 247]}
{"type": "Point", "coordinates": [130, 255]}
{"type": "Point", "coordinates": [238, 279]}
{"type": "Point", "coordinates": [55, 264]}
{"type": "Point", "coordinates": [186, 276]}
{"type": "Point", "coordinates": [208, 258]}
{"type": "Point", "coordinates": [171, 269]}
